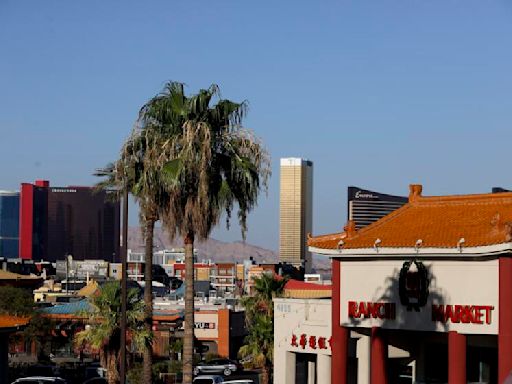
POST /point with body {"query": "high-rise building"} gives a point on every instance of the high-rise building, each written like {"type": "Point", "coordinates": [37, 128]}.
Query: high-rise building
{"type": "Point", "coordinates": [295, 211]}
{"type": "Point", "coordinates": [9, 223]}
{"type": "Point", "coordinates": [366, 207]}
{"type": "Point", "coordinates": [60, 221]}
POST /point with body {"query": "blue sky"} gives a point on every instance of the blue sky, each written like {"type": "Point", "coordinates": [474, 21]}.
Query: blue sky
{"type": "Point", "coordinates": [378, 94]}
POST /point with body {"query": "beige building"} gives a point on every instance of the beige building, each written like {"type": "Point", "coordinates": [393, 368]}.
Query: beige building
{"type": "Point", "coordinates": [295, 211]}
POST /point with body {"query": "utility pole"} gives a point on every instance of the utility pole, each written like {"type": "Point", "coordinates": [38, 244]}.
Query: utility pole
{"type": "Point", "coordinates": [124, 277]}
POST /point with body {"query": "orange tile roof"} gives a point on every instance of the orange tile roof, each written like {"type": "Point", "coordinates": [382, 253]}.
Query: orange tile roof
{"type": "Point", "coordinates": [8, 321]}
{"type": "Point", "coordinates": [303, 290]}
{"type": "Point", "coordinates": [440, 222]}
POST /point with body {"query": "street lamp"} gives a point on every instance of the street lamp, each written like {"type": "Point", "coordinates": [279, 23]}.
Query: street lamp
{"type": "Point", "coordinates": [124, 277]}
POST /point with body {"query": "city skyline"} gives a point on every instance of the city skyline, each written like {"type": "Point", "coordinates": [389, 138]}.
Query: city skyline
{"type": "Point", "coordinates": [376, 95]}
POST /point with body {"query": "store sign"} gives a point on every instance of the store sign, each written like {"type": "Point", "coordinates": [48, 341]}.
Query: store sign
{"type": "Point", "coordinates": [431, 295]}
{"type": "Point", "coordinates": [203, 325]}
{"type": "Point", "coordinates": [466, 314]}
{"type": "Point", "coordinates": [357, 310]}
{"type": "Point", "coordinates": [314, 342]}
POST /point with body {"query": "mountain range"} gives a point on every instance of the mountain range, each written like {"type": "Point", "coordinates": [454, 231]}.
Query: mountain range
{"type": "Point", "coordinates": [218, 251]}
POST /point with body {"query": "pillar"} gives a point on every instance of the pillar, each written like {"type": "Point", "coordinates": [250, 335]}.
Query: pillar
{"type": "Point", "coordinates": [290, 368]}
{"type": "Point", "coordinates": [323, 369]}
{"type": "Point", "coordinates": [340, 335]}
{"type": "Point", "coordinates": [379, 357]}
{"type": "Point", "coordinates": [311, 372]}
{"type": "Point", "coordinates": [224, 340]}
{"type": "Point", "coordinates": [363, 354]}
{"type": "Point", "coordinates": [505, 319]}
{"type": "Point", "coordinates": [456, 358]}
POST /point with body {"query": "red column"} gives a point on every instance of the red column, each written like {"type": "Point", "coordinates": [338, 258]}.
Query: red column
{"type": "Point", "coordinates": [456, 358]}
{"type": "Point", "coordinates": [26, 220]}
{"type": "Point", "coordinates": [340, 335]}
{"type": "Point", "coordinates": [505, 319]}
{"type": "Point", "coordinates": [379, 357]}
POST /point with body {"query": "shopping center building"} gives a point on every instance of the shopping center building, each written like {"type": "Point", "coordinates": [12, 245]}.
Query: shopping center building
{"type": "Point", "coordinates": [425, 293]}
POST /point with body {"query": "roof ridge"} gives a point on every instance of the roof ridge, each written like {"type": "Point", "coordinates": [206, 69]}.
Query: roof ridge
{"type": "Point", "coordinates": [476, 196]}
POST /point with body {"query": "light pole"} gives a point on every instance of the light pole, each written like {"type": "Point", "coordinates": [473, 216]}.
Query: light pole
{"type": "Point", "coordinates": [124, 276]}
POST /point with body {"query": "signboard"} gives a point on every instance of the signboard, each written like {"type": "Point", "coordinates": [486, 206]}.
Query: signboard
{"type": "Point", "coordinates": [438, 296]}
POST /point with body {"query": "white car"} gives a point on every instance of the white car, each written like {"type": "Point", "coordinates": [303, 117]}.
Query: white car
{"type": "Point", "coordinates": [208, 379]}
{"type": "Point", "coordinates": [39, 380]}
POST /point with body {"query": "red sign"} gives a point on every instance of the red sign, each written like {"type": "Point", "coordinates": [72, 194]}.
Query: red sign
{"type": "Point", "coordinates": [466, 314]}
{"type": "Point", "coordinates": [368, 309]}
{"type": "Point", "coordinates": [314, 342]}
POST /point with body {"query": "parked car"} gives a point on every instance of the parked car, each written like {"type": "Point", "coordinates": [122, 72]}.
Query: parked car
{"type": "Point", "coordinates": [39, 380]}
{"type": "Point", "coordinates": [208, 379]}
{"type": "Point", "coordinates": [239, 381]}
{"type": "Point", "coordinates": [224, 366]}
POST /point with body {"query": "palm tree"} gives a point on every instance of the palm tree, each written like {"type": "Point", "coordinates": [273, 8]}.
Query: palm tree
{"type": "Point", "coordinates": [137, 171]}
{"type": "Point", "coordinates": [209, 163]}
{"type": "Point", "coordinates": [103, 332]}
{"type": "Point", "coordinates": [259, 315]}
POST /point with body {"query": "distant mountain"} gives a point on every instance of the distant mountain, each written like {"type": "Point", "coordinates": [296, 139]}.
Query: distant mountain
{"type": "Point", "coordinates": [219, 251]}
{"type": "Point", "coordinates": [211, 249]}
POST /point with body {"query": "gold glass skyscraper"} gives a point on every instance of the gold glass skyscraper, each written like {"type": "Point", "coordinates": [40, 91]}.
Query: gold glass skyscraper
{"type": "Point", "coordinates": [295, 211]}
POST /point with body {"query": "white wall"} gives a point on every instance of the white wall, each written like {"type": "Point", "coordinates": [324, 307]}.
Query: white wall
{"type": "Point", "coordinates": [452, 283]}
{"type": "Point", "coordinates": [311, 317]}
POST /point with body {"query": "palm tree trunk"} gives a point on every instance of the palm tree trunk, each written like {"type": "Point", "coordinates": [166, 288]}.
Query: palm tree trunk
{"type": "Point", "coordinates": [188, 342]}
{"type": "Point", "coordinates": [148, 297]}
{"type": "Point", "coordinates": [112, 372]}
{"type": "Point", "coordinates": [265, 373]}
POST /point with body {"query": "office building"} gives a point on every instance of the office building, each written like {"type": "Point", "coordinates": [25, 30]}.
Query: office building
{"type": "Point", "coordinates": [9, 223]}
{"type": "Point", "coordinates": [295, 211]}
{"type": "Point", "coordinates": [366, 207]}
{"type": "Point", "coordinates": [60, 221]}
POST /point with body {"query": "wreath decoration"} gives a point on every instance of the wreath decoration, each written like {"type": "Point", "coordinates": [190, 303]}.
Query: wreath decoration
{"type": "Point", "coordinates": [413, 286]}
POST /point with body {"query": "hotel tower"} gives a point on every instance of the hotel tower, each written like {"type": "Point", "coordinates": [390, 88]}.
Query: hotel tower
{"type": "Point", "coordinates": [295, 211]}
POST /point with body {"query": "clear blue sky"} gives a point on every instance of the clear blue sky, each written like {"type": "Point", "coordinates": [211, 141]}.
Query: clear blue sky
{"type": "Point", "coordinates": [377, 93]}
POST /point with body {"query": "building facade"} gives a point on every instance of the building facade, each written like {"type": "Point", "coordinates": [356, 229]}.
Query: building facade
{"type": "Point", "coordinates": [433, 279]}
{"type": "Point", "coordinates": [60, 221]}
{"type": "Point", "coordinates": [9, 223]}
{"type": "Point", "coordinates": [295, 211]}
{"type": "Point", "coordinates": [366, 207]}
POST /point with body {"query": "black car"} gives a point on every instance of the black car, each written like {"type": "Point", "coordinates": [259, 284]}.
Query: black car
{"type": "Point", "coordinates": [222, 366]}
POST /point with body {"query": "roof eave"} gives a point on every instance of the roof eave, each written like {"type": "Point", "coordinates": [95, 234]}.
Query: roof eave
{"type": "Point", "coordinates": [484, 250]}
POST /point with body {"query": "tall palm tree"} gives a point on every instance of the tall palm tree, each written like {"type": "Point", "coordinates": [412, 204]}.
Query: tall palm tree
{"type": "Point", "coordinates": [259, 315]}
{"type": "Point", "coordinates": [103, 331]}
{"type": "Point", "coordinates": [209, 163]}
{"type": "Point", "coordinates": [136, 170]}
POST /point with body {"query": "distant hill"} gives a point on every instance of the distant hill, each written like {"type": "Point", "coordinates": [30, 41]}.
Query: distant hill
{"type": "Point", "coordinates": [219, 251]}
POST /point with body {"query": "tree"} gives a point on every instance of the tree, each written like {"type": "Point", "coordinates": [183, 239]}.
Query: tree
{"type": "Point", "coordinates": [259, 315]}
{"type": "Point", "coordinates": [16, 301]}
{"type": "Point", "coordinates": [20, 302]}
{"type": "Point", "coordinates": [209, 163]}
{"type": "Point", "coordinates": [103, 331]}
{"type": "Point", "coordinates": [137, 171]}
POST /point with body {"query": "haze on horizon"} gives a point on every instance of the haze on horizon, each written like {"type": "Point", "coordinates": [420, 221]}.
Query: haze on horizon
{"type": "Point", "coordinates": [378, 94]}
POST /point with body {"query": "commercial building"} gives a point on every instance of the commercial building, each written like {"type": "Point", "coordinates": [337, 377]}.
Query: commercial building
{"type": "Point", "coordinates": [433, 279]}
{"type": "Point", "coordinates": [295, 211]}
{"type": "Point", "coordinates": [9, 223]}
{"type": "Point", "coordinates": [366, 207]}
{"type": "Point", "coordinates": [60, 221]}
